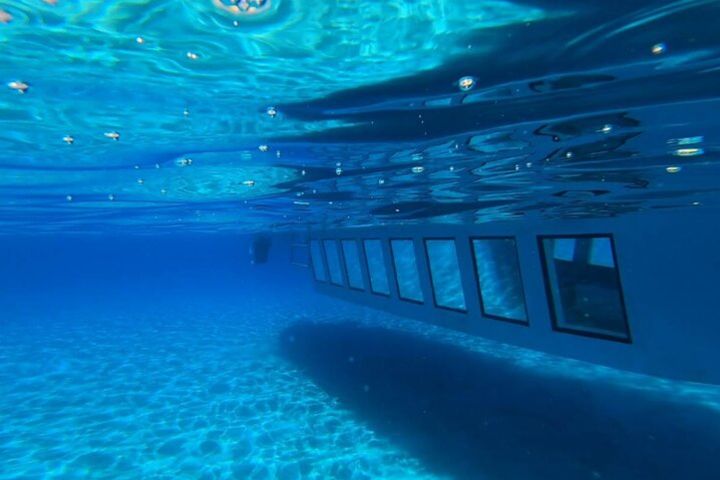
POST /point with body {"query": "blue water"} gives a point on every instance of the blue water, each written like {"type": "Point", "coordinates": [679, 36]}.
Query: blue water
{"type": "Point", "coordinates": [144, 143]}
{"type": "Point", "coordinates": [174, 357]}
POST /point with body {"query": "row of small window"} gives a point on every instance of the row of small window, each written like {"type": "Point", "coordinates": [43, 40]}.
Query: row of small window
{"type": "Point", "coordinates": [580, 272]}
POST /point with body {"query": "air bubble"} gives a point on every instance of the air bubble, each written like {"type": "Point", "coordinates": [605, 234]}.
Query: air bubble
{"type": "Point", "coordinates": [658, 48]}
{"type": "Point", "coordinates": [19, 86]}
{"type": "Point", "coordinates": [466, 83]}
{"type": "Point", "coordinates": [5, 17]}
{"type": "Point", "coordinates": [688, 152]}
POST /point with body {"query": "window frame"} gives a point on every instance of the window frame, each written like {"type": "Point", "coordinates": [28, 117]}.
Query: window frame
{"type": "Point", "coordinates": [323, 260]}
{"type": "Point", "coordinates": [340, 263]}
{"type": "Point", "coordinates": [343, 259]}
{"type": "Point", "coordinates": [526, 322]}
{"type": "Point", "coordinates": [395, 273]}
{"type": "Point", "coordinates": [627, 338]}
{"type": "Point", "coordinates": [369, 272]}
{"type": "Point", "coordinates": [459, 270]}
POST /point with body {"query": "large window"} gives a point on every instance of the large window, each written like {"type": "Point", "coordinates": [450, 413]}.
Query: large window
{"type": "Point", "coordinates": [498, 275]}
{"type": "Point", "coordinates": [406, 270]}
{"type": "Point", "coordinates": [351, 252]}
{"type": "Point", "coordinates": [333, 261]}
{"type": "Point", "coordinates": [318, 262]}
{"type": "Point", "coordinates": [445, 274]}
{"type": "Point", "coordinates": [583, 285]}
{"type": "Point", "coordinates": [377, 271]}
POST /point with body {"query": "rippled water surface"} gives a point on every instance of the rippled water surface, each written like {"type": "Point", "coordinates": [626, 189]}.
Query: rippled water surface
{"type": "Point", "coordinates": [190, 115]}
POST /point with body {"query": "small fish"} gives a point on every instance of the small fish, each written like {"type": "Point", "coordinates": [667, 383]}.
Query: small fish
{"type": "Point", "coordinates": [69, 139]}
{"type": "Point", "coordinates": [184, 162]}
{"type": "Point", "coordinates": [263, 148]}
{"type": "Point", "coordinates": [20, 86]}
{"type": "Point", "coordinates": [192, 55]}
{"type": "Point", "coordinates": [113, 135]}
{"type": "Point", "coordinates": [271, 111]}
{"type": "Point", "coordinates": [249, 183]}
{"type": "Point", "coordinates": [5, 17]}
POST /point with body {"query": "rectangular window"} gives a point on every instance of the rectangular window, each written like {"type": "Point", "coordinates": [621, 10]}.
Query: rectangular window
{"type": "Point", "coordinates": [375, 259]}
{"type": "Point", "coordinates": [445, 274]}
{"type": "Point", "coordinates": [583, 285]}
{"type": "Point", "coordinates": [497, 270]}
{"type": "Point", "coordinates": [407, 276]}
{"type": "Point", "coordinates": [333, 261]}
{"type": "Point", "coordinates": [318, 262]}
{"type": "Point", "coordinates": [351, 252]}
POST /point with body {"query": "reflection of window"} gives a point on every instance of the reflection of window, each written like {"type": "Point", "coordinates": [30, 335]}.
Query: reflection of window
{"type": "Point", "coordinates": [445, 274]}
{"type": "Point", "coordinates": [352, 264]}
{"type": "Point", "coordinates": [498, 275]}
{"type": "Point", "coordinates": [376, 267]}
{"type": "Point", "coordinates": [583, 285]}
{"type": "Point", "coordinates": [318, 263]}
{"type": "Point", "coordinates": [333, 261]}
{"type": "Point", "coordinates": [406, 270]}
